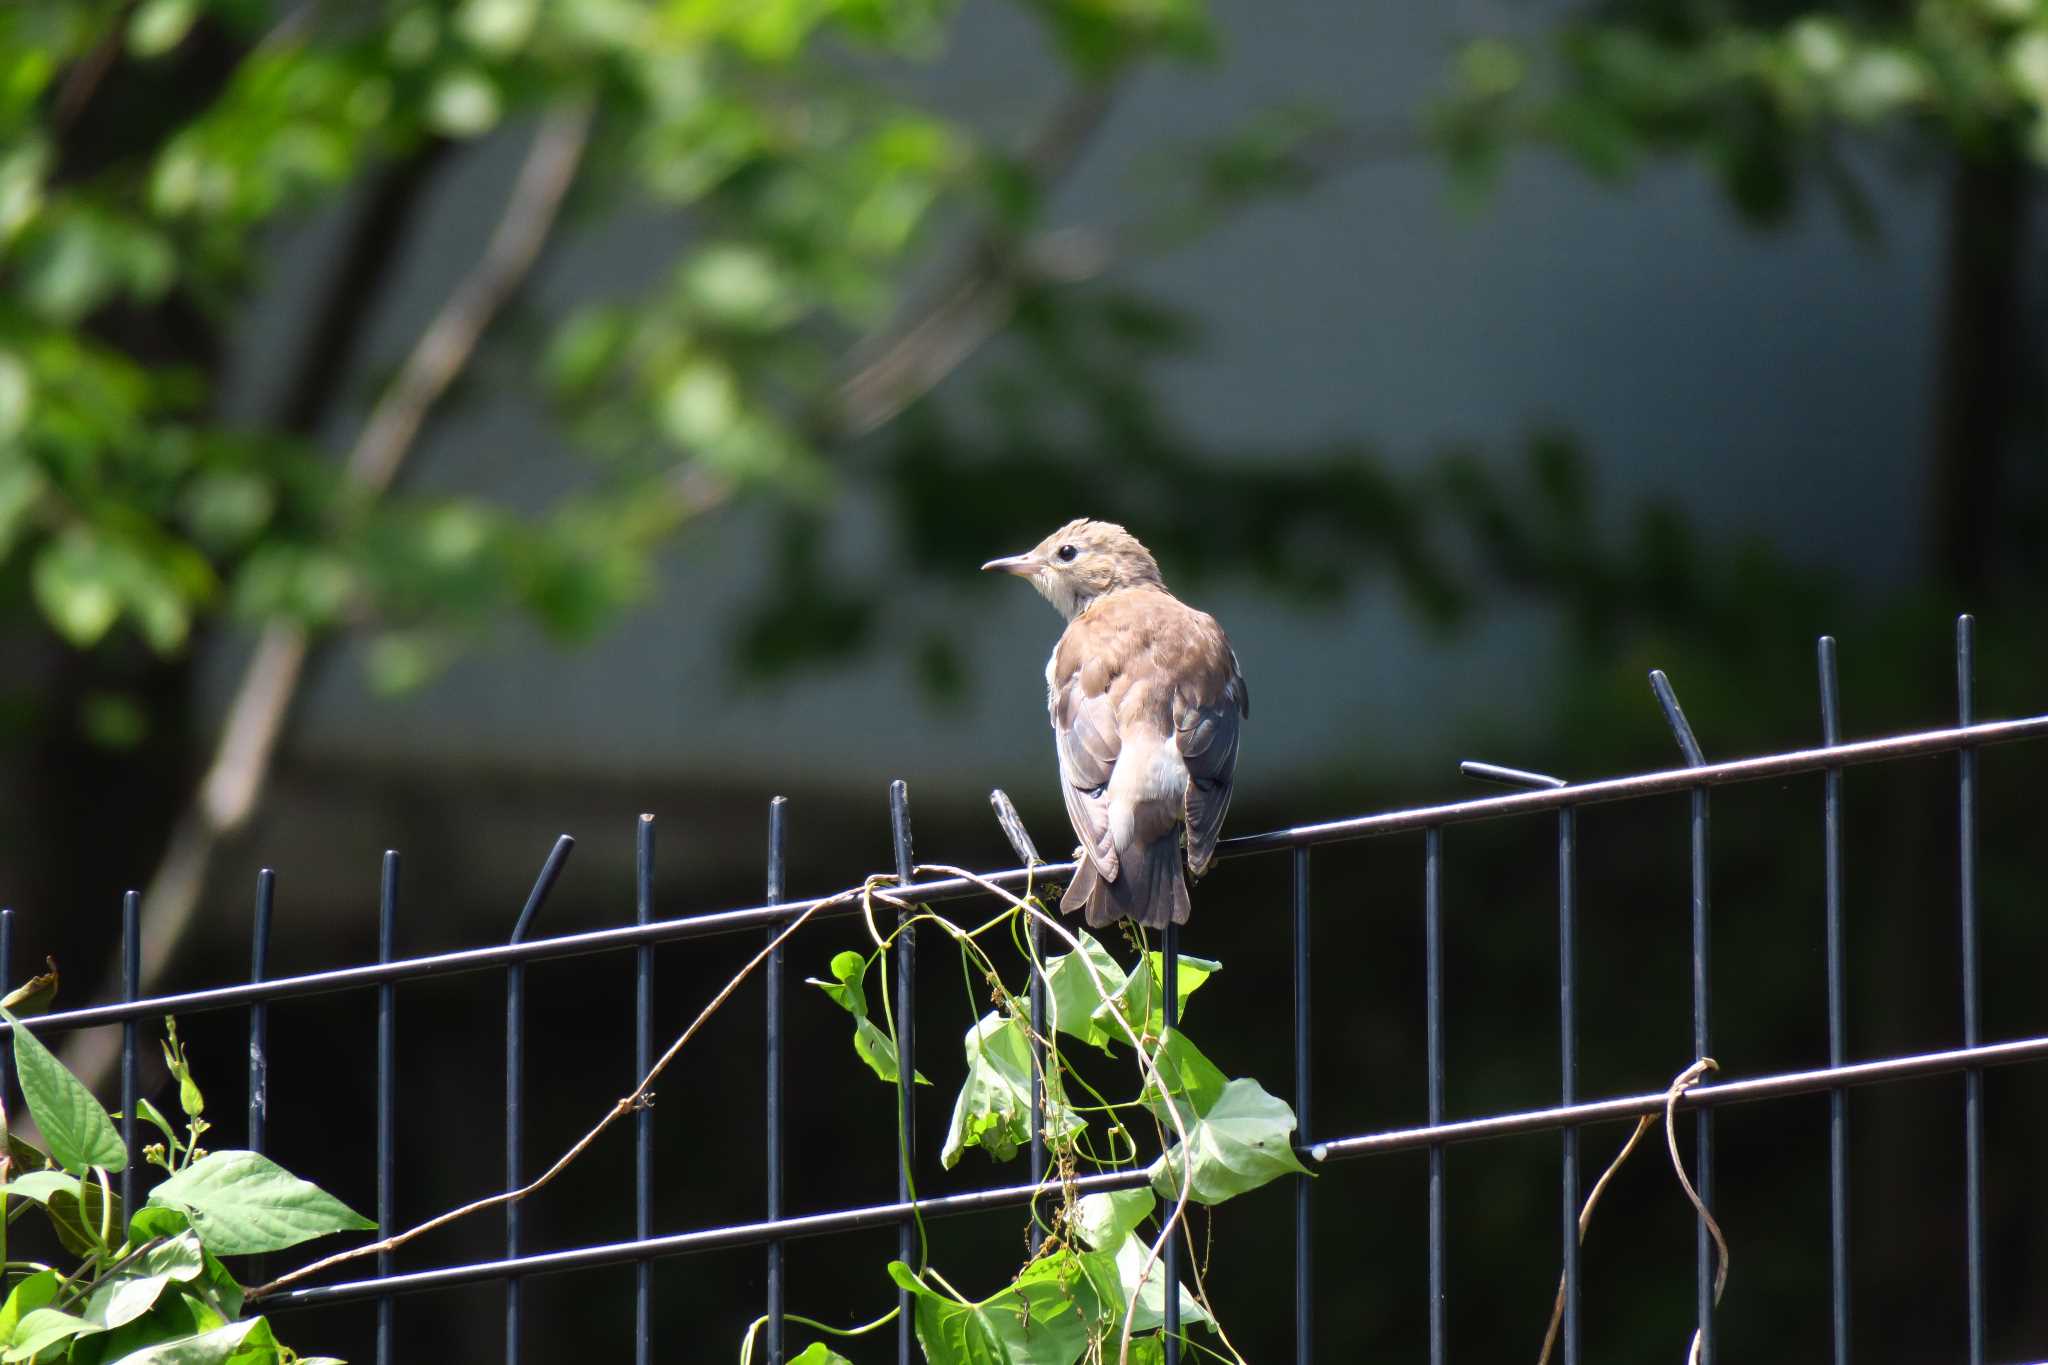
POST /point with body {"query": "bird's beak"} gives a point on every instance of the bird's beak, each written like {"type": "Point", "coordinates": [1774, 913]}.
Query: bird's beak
{"type": "Point", "coordinates": [1016, 564]}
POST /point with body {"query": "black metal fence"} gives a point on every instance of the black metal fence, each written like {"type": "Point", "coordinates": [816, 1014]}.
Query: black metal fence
{"type": "Point", "coordinates": [776, 1226]}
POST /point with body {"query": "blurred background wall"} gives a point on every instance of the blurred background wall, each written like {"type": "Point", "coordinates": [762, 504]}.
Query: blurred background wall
{"type": "Point", "coordinates": [1465, 360]}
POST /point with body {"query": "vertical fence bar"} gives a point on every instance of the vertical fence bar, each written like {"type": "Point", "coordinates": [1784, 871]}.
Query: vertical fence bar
{"type": "Point", "coordinates": [1703, 1178]}
{"type": "Point", "coordinates": [1838, 1099]}
{"type": "Point", "coordinates": [259, 1032]}
{"type": "Point", "coordinates": [643, 1062]}
{"type": "Point", "coordinates": [259, 1013]}
{"type": "Point", "coordinates": [515, 1083]}
{"type": "Point", "coordinates": [1304, 1244]}
{"type": "Point", "coordinates": [906, 1059]}
{"type": "Point", "coordinates": [1169, 990]}
{"type": "Point", "coordinates": [778, 837]}
{"type": "Point", "coordinates": [387, 1093]}
{"type": "Point", "coordinates": [1032, 932]}
{"type": "Point", "coordinates": [1433, 1007]}
{"type": "Point", "coordinates": [6, 984]}
{"type": "Point", "coordinates": [131, 989]}
{"type": "Point", "coordinates": [1973, 1080]}
{"type": "Point", "coordinates": [1568, 1048]}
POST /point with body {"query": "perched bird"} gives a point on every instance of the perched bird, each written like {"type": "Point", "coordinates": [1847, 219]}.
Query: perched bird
{"type": "Point", "coordinates": [1145, 694]}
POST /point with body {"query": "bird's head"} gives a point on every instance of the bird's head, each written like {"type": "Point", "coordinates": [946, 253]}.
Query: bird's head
{"type": "Point", "coordinates": [1082, 561]}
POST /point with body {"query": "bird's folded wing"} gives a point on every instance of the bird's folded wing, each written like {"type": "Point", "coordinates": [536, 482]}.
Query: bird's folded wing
{"type": "Point", "coordinates": [1207, 739]}
{"type": "Point", "coordinates": [1084, 732]}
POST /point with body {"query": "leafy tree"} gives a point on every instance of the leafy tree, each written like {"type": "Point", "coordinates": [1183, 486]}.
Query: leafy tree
{"type": "Point", "coordinates": [149, 146]}
{"type": "Point", "coordinates": [1783, 99]}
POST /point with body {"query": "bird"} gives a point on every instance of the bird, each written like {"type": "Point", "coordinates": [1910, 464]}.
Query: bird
{"type": "Point", "coordinates": [1146, 697]}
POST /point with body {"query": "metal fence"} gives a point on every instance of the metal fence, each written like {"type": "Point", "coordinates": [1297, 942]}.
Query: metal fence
{"type": "Point", "coordinates": [1544, 794]}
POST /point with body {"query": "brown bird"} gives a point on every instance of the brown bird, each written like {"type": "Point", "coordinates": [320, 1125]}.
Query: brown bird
{"type": "Point", "coordinates": [1145, 694]}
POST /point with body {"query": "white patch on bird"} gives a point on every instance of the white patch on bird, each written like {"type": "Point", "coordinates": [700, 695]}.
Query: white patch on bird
{"type": "Point", "coordinates": [1149, 780]}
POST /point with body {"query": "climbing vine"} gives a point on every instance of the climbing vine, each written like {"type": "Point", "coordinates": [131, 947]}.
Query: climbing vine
{"type": "Point", "coordinates": [1095, 1287]}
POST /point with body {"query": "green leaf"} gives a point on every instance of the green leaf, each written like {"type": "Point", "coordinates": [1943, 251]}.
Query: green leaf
{"type": "Point", "coordinates": [993, 1108]}
{"type": "Point", "coordinates": [40, 1185]}
{"type": "Point", "coordinates": [1142, 1001]}
{"type": "Point", "coordinates": [43, 1328]}
{"type": "Point", "coordinates": [163, 1125]}
{"type": "Point", "coordinates": [36, 1291]}
{"type": "Point", "coordinates": [79, 1132]}
{"type": "Point", "coordinates": [1151, 1306]}
{"type": "Point", "coordinates": [75, 1214]}
{"type": "Point", "coordinates": [160, 25]}
{"type": "Point", "coordinates": [1046, 1318]}
{"type": "Point", "coordinates": [874, 1046]}
{"type": "Point", "coordinates": [238, 1343]}
{"type": "Point", "coordinates": [1238, 1145]}
{"type": "Point", "coordinates": [153, 1220]}
{"type": "Point", "coordinates": [1191, 1079]}
{"type": "Point", "coordinates": [34, 995]}
{"type": "Point", "coordinates": [1105, 1220]}
{"type": "Point", "coordinates": [243, 1203]}
{"type": "Point", "coordinates": [818, 1353]}
{"type": "Point", "coordinates": [135, 1291]}
{"type": "Point", "coordinates": [74, 587]}
{"type": "Point", "coordinates": [1074, 994]}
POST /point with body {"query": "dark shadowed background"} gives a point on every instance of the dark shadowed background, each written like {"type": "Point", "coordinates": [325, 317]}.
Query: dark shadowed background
{"type": "Point", "coordinates": [439, 426]}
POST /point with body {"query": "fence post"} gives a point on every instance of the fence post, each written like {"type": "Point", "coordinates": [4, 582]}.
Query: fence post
{"type": "Point", "coordinates": [778, 843]}
{"type": "Point", "coordinates": [515, 1080]}
{"type": "Point", "coordinates": [906, 1059]}
{"type": "Point", "coordinates": [643, 1062]}
{"type": "Point", "coordinates": [1838, 1098]}
{"type": "Point", "coordinates": [1966, 895]}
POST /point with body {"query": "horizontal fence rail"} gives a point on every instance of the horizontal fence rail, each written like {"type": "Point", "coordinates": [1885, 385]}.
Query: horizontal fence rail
{"type": "Point", "coordinates": [1919, 744]}
{"type": "Point", "coordinates": [1537, 794]}
{"type": "Point", "coordinates": [1780, 1085]}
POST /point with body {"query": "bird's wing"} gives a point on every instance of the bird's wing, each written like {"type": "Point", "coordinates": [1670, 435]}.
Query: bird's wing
{"type": "Point", "coordinates": [1085, 735]}
{"type": "Point", "coordinates": [1206, 735]}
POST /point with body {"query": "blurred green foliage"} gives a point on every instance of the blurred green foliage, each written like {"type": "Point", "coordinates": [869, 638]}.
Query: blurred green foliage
{"type": "Point", "coordinates": [149, 147]}
{"type": "Point", "coordinates": [1764, 92]}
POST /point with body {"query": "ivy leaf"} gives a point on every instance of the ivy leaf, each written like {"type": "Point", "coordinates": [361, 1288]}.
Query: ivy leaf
{"type": "Point", "coordinates": [1110, 1221]}
{"type": "Point", "coordinates": [78, 1130]}
{"type": "Point", "coordinates": [1191, 1079]}
{"type": "Point", "coordinates": [1141, 1000]}
{"type": "Point", "coordinates": [243, 1203]}
{"type": "Point", "coordinates": [1150, 1314]}
{"type": "Point", "coordinates": [1047, 1317]}
{"type": "Point", "coordinates": [993, 1109]}
{"type": "Point", "coordinates": [1238, 1145]}
{"type": "Point", "coordinates": [1074, 994]}
{"type": "Point", "coordinates": [1104, 1220]}
{"type": "Point", "coordinates": [875, 1047]}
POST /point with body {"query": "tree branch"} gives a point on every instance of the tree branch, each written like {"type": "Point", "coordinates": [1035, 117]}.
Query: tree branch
{"type": "Point", "coordinates": [972, 301]}
{"type": "Point", "coordinates": [270, 682]}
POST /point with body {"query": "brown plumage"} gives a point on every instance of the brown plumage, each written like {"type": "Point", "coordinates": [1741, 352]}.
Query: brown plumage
{"type": "Point", "coordinates": [1145, 696]}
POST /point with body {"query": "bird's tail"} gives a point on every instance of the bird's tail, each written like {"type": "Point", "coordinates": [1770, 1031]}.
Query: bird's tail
{"type": "Point", "coordinates": [1148, 888]}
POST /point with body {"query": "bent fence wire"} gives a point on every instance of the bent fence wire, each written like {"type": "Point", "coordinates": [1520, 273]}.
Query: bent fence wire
{"type": "Point", "coordinates": [1543, 794]}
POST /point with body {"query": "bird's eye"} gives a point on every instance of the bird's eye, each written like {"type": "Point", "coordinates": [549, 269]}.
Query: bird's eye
{"type": "Point", "coordinates": [1067, 553]}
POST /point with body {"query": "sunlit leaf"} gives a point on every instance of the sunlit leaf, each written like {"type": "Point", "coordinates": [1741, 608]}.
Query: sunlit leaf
{"type": "Point", "coordinates": [873, 1046]}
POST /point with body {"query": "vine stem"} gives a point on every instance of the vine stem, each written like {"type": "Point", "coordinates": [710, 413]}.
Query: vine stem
{"type": "Point", "coordinates": [1148, 1064]}
{"type": "Point", "coordinates": [641, 1095]}
{"type": "Point", "coordinates": [1682, 1082]}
